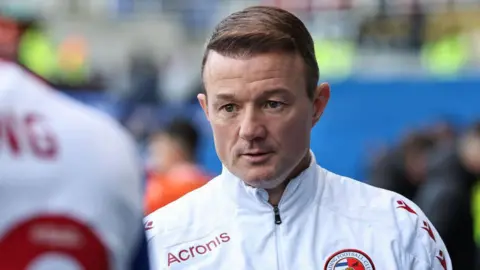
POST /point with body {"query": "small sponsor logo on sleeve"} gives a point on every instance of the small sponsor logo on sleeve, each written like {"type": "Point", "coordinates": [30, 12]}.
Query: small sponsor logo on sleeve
{"type": "Point", "coordinates": [441, 258]}
{"type": "Point", "coordinates": [403, 205]}
{"type": "Point", "coordinates": [428, 229]}
{"type": "Point", "coordinates": [149, 225]}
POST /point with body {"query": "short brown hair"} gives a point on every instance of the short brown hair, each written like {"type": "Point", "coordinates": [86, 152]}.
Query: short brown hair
{"type": "Point", "coordinates": [263, 29]}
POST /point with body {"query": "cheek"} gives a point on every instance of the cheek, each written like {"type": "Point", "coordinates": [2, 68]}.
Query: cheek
{"type": "Point", "coordinates": [224, 136]}
{"type": "Point", "coordinates": [294, 131]}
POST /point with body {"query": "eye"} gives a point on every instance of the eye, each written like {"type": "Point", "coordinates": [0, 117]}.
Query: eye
{"type": "Point", "coordinates": [273, 104]}
{"type": "Point", "coordinates": [228, 108]}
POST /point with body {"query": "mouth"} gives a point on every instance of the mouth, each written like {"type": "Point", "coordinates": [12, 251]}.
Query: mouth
{"type": "Point", "coordinates": [257, 157]}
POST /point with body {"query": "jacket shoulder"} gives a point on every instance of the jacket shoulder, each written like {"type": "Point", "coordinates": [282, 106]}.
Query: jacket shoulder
{"type": "Point", "coordinates": [388, 211]}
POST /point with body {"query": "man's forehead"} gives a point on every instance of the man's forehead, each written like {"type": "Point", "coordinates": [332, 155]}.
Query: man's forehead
{"type": "Point", "coordinates": [252, 68]}
{"type": "Point", "coordinates": [273, 70]}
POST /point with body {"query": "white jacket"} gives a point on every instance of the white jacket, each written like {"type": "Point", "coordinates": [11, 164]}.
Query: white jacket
{"type": "Point", "coordinates": [323, 221]}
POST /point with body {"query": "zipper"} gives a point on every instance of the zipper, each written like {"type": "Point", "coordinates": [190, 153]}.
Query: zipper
{"type": "Point", "coordinates": [278, 236]}
{"type": "Point", "coordinates": [276, 212]}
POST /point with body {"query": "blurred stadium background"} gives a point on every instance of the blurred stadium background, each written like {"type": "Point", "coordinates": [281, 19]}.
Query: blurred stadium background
{"type": "Point", "coordinates": [405, 74]}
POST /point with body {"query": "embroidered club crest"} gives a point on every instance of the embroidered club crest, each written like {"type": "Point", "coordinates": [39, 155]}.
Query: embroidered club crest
{"type": "Point", "coordinates": [349, 259]}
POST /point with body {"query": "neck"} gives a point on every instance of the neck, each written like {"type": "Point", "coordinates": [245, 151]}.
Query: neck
{"type": "Point", "coordinates": [275, 194]}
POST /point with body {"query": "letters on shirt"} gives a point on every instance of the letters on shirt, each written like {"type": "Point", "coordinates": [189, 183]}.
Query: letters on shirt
{"type": "Point", "coordinates": [196, 250]}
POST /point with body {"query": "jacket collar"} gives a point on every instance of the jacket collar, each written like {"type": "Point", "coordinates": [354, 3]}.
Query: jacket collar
{"type": "Point", "coordinates": [300, 191]}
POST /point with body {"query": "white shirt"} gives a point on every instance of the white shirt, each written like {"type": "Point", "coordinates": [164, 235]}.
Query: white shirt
{"type": "Point", "coordinates": [70, 185]}
{"type": "Point", "coordinates": [324, 221]}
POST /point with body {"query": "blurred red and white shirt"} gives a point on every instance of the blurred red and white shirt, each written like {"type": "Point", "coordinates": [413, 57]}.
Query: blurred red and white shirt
{"type": "Point", "coordinates": [70, 185]}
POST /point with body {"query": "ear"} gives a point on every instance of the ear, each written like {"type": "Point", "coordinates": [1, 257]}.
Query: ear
{"type": "Point", "coordinates": [202, 99]}
{"type": "Point", "coordinates": [320, 100]}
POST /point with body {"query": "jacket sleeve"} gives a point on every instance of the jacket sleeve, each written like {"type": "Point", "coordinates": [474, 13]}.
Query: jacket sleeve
{"type": "Point", "coordinates": [420, 239]}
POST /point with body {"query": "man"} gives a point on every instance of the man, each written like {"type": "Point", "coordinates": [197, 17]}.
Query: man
{"type": "Point", "coordinates": [447, 196]}
{"type": "Point", "coordinates": [70, 187]}
{"type": "Point", "coordinates": [173, 171]}
{"type": "Point", "coordinates": [273, 207]}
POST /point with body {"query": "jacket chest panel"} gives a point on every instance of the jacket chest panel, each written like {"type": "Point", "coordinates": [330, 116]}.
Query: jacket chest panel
{"type": "Point", "coordinates": [314, 245]}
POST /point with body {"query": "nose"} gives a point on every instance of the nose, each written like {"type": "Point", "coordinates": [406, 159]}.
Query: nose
{"type": "Point", "coordinates": [252, 127]}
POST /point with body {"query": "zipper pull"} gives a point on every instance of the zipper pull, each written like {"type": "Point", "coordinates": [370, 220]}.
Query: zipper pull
{"type": "Point", "coordinates": [276, 211]}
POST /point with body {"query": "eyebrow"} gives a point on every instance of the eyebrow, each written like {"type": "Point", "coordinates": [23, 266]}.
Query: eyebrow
{"type": "Point", "coordinates": [276, 91]}
{"type": "Point", "coordinates": [225, 96]}
{"type": "Point", "coordinates": [267, 93]}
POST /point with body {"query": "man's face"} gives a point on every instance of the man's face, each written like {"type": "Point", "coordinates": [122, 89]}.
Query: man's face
{"type": "Point", "coordinates": [163, 153]}
{"type": "Point", "coordinates": [260, 114]}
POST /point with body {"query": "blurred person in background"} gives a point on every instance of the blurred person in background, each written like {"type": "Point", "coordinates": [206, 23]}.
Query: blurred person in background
{"type": "Point", "coordinates": [10, 37]}
{"type": "Point", "coordinates": [63, 66]}
{"type": "Point", "coordinates": [444, 133]}
{"type": "Point", "coordinates": [70, 189]}
{"type": "Point", "coordinates": [141, 101]}
{"type": "Point", "coordinates": [273, 207]}
{"type": "Point", "coordinates": [144, 77]}
{"type": "Point", "coordinates": [72, 64]}
{"type": "Point", "coordinates": [179, 78]}
{"type": "Point", "coordinates": [448, 193]}
{"type": "Point", "coordinates": [173, 171]}
{"type": "Point", "coordinates": [404, 168]}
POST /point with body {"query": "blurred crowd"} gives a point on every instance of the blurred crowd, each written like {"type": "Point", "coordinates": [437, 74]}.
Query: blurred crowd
{"type": "Point", "coordinates": [437, 167]}
{"type": "Point", "coordinates": [422, 38]}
